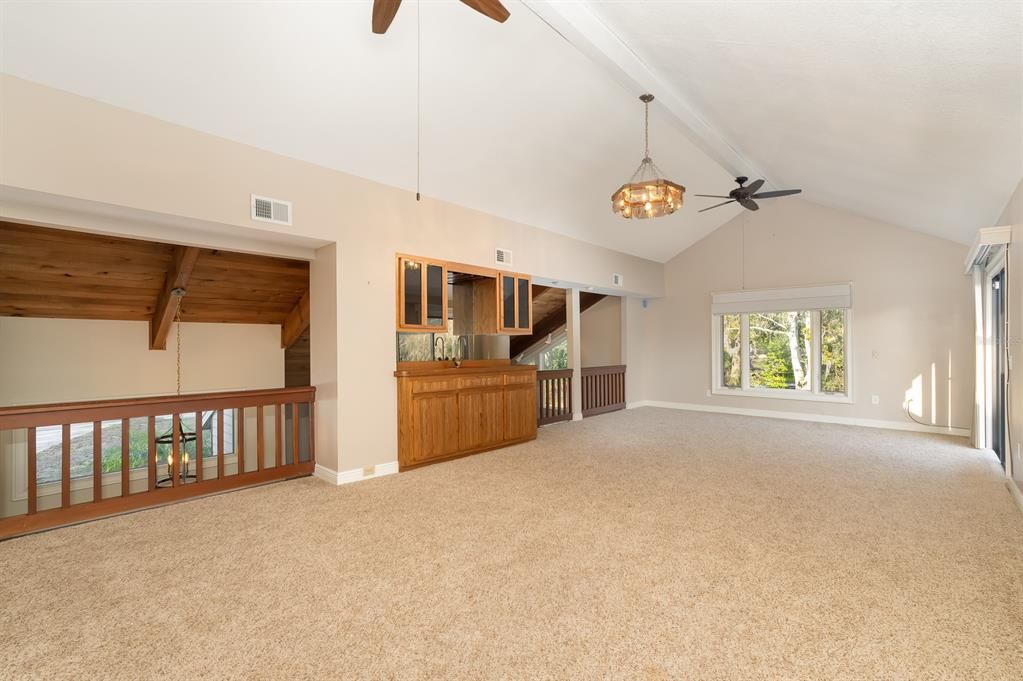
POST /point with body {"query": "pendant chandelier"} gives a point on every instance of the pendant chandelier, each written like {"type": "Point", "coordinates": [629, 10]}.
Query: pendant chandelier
{"type": "Point", "coordinates": [183, 436]}
{"type": "Point", "coordinates": [647, 194]}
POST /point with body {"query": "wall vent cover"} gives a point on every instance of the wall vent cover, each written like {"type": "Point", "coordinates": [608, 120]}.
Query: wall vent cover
{"type": "Point", "coordinates": [503, 256]}
{"type": "Point", "coordinates": [617, 280]}
{"type": "Point", "coordinates": [265, 209]}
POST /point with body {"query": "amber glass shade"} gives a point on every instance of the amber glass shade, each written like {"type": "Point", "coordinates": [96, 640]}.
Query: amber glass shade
{"type": "Point", "coordinates": [649, 199]}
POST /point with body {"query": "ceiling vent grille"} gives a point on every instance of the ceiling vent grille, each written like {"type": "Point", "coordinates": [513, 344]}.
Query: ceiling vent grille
{"type": "Point", "coordinates": [271, 210]}
{"type": "Point", "coordinates": [617, 280]}
{"type": "Point", "coordinates": [503, 256]}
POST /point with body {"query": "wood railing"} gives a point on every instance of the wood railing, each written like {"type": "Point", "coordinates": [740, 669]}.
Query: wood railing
{"type": "Point", "coordinates": [553, 396]}
{"type": "Point", "coordinates": [603, 389]}
{"type": "Point", "coordinates": [79, 461]}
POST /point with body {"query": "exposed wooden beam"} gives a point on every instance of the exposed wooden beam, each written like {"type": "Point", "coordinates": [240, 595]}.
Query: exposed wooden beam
{"type": "Point", "coordinates": [552, 322]}
{"type": "Point", "coordinates": [180, 272]}
{"type": "Point", "coordinates": [296, 322]}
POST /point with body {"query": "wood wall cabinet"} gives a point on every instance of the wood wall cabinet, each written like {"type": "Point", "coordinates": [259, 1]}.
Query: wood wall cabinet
{"type": "Point", "coordinates": [501, 302]}
{"type": "Point", "coordinates": [515, 304]}
{"type": "Point", "coordinates": [444, 413]}
{"type": "Point", "coordinates": [422, 295]}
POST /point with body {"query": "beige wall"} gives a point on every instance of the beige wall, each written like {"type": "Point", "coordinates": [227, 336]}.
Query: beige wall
{"type": "Point", "coordinates": [600, 336]}
{"type": "Point", "coordinates": [61, 144]}
{"type": "Point", "coordinates": [1013, 215]}
{"type": "Point", "coordinates": [65, 360]}
{"type": "Point", "coordinates": [912, 306]}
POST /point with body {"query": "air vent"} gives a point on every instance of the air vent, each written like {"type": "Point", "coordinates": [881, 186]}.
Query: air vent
{"type": "Point", "coordinates": [503, 256]}
{"type": "Point", "coordinates": [617, 280]}
{"type": "Point", "coordinates": [271, 210]}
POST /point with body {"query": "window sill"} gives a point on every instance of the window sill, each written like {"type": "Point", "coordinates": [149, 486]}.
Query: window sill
{"type": "Point", "coordinates": [778, 394]}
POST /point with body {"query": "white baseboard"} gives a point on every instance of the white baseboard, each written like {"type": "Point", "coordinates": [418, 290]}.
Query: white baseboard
{"type": "Point", "coordinates": [802, 416]}
{"type": "Point", "coordinates": [356, 474]}
{"type": "Point", "coordinates": [1016, 493]}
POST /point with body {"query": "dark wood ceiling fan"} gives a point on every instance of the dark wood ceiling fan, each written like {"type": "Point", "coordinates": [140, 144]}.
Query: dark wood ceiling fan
{"type": "Point", "coordinates": [744, 195]}
{"type": "Point", "coordinates": [384, 11]}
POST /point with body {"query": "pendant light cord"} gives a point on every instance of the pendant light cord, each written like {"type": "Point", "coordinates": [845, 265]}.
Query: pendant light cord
{"type": "Point", "coordinates": [419, 92]}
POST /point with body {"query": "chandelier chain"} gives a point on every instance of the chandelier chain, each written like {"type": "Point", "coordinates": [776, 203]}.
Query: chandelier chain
{"type": "Point", "coordinates": [646, 131]}
{"type": "Point", "coordinates": [177, 320]}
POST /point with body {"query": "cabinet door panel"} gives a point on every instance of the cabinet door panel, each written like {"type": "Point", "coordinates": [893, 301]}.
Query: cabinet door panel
{"type": "Point", "coordinates": [480, 418]}
{"type": "Point", "coordinates": [525, 302]}
{"type": "Point", "coordinates": [436, 298]}
{"type": "Point", "coordinates": [434, 425]}
{"type": "Point", "coordinates": [507, 302]}
{"type": "Point", "coordinates": [519, 411]}
{"type": "Point", "coordinates": [412, 292]}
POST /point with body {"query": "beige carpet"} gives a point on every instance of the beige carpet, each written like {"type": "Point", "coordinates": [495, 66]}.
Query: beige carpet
{"type": "Point", "coordinates": [648, 544]}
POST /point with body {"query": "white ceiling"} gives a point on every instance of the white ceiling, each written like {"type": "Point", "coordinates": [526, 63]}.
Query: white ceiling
{"type": "Point", "coordinates": [908, 112]}
{"type": "Point", "coordinates": [516, 121]}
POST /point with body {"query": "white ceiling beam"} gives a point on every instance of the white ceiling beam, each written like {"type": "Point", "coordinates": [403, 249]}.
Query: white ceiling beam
{"type": "Point", "coordinates": [577, 24]}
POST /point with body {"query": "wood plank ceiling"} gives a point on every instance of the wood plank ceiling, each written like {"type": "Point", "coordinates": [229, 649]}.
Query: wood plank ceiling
{"type": "Point", "coordinates": [57, 273]}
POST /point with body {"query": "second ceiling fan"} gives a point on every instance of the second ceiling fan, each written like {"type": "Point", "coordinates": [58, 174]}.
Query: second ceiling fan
{"type": "Point", "coordinates": [744, 195]}
{"type": "Point", "coordinates": [384, 11]}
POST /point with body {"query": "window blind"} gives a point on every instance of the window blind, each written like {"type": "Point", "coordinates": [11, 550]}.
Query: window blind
{"type": "Point", "coordinates": [833, 296]}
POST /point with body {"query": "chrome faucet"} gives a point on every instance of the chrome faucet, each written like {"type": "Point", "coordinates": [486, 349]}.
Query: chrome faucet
{"type": "Point", "coordinates": [462, 353]}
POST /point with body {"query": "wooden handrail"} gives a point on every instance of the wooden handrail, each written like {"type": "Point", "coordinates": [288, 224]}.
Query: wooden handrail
{"type": "Point", "coordinates": [603, 389]}
{"type": "Point", "coordinates": [159, 405]}
{"type": "Point", "coordinates": [182, 481]}
{"type": "Point", "coordinates": [553, 396]}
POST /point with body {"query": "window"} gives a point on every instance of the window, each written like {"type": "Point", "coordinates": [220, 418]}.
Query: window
{"type": "Point", "coordinates": [790, 343]}
{"type": "Point", "coordinates": [555, 357]}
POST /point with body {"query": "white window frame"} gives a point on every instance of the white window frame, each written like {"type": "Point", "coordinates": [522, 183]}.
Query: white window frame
{"type": "Point", "coordinates": [812, 395]}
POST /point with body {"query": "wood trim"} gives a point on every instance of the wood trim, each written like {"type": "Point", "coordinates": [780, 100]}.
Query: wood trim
{"type": "Point", "coordinates": [278, 437]}
{"type": "Point", "coordinates": [65, 465]}
{"type": "Point", "coordinates": [239, 440]}
{"type": "Point", "coordinates": [469, 452]}
{"type": "Point", "coordinates": [32, 487]}
{"type": "Point", "coordinates": [125, 457]}
{"type": "Point", "coordinates": [294, 433]}
{"type": "Point", "coordinates": [98, 410]}
{"type": "Point", "coordinates": [296, 322]}
{"type": "Point", "coordinates": [198, 446]}
{"type": "Point", "coordinates": [25, 524]}
{"type": "Point", "coordinates": [220, 444]}
{"type": "Point", "coordinates": [97, 461]}
{"type": "Point", "coordinates": [180, 272]}
{"type": "Point", "coordinates": [260, 438]}
{"type": "Point", "coordinates": [151, 428]}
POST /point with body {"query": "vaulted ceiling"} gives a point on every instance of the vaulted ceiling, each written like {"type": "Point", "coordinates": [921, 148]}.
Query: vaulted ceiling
{"type": "Point", "coordinates": [908, 112]}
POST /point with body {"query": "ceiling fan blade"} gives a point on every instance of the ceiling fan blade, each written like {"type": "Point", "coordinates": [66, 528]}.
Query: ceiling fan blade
{"type": "Point", "coordinates": [753, 187]}
{"type": "Point", "coordinates": [713, 196]}
{"type": "Point", "coordinates": [749, 204]}
{"type": "Point", "coordinates": [383, 14]}
{"type": "Point", "coordinates": [715, 206]}
{"type": "Point", "coordinates": [771, 195]}
{"type": "Point", "coordinates": [491, 8]}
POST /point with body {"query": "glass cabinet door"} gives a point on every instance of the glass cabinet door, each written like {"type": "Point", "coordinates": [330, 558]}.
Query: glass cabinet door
{"type": "Point", "coordinates": [423, 295]}
{"type": "Point", "coordinates": [436, 314]}
{"type": "Point", "coordinates": [412, 293]}
{"type": "Point", "coordinates": [525, 296]}
{"type": "Point", "coordinates": [507, 302]}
